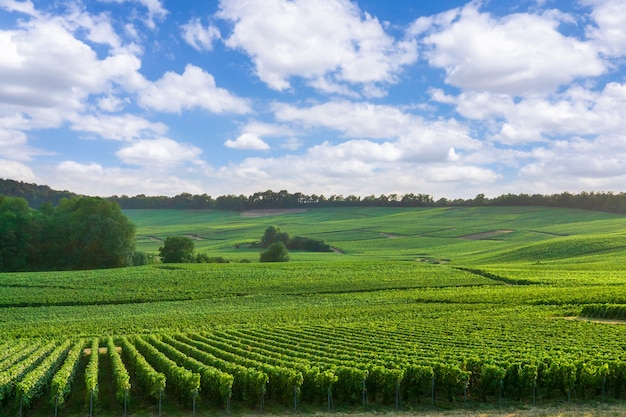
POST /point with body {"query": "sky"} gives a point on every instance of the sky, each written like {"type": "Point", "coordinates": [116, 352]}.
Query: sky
{"type": "Point", "coordinates": [335, 97]}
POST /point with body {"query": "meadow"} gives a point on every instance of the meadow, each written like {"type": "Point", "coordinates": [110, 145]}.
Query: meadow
{"type": "Point", "coordinates": [418, 310]}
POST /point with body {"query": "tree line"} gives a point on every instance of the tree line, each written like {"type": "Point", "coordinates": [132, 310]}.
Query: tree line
{"type": "Point", "coordinates": [78, 233]}
{"type": "Point", "coordinates": [36, 195]}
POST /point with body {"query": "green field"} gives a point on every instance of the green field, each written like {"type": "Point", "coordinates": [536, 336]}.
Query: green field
{"type": "Point", "coordinates": [417, 309]}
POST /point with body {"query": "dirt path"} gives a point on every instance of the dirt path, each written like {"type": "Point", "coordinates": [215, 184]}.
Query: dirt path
{"type": "Point", "coordinates": [593, 320]}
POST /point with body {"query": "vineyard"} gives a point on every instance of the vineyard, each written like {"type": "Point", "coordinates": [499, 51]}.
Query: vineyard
{"type": "Point", "coordinates": [423, 309]}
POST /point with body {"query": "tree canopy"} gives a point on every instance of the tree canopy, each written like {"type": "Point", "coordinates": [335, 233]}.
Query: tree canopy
{"type": "Point", "coordinates": [36, 195]}
{"type": "Point", "coordinates": [177, 249]}
{"type": "Point", "coordinates": [80, 233]}
{"type": "Point", "coordinates": [276, 252]}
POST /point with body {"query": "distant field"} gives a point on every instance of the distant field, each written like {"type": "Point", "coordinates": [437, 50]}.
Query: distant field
{"type": "Point", "coordinates": [418, 309]}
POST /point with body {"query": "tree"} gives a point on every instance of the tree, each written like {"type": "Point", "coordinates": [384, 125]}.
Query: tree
{"type": "Point", "coordinates": [15, 233]}
{"type": "Point", "coordinates": [92, 233]}
{"type": "Point", "coordinates": [276, 252]}
{"type": "Point", "coordinates": [177, 249]}
{"type": "Point", "coordinates": [273, 234]}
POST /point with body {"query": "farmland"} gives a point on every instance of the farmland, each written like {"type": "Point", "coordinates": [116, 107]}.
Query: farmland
{"type": "Point", "coordinates": [417, 309]}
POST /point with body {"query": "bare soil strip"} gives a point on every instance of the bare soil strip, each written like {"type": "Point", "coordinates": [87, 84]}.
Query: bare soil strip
{"type": "Point", "coordinates": [486, 235]}
{"type": "Point", "coordinates": [597, 320]}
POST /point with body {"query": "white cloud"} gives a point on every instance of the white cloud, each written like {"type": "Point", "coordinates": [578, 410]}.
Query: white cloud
{"type": "Point", "coordinates": [578, 164]}
{"type": "Point", "coordinates": [94, 179]}
{"type": "Point", "coordinates": [17, 171]}
{"type": "Point", "coordinates": [155, 10]}
{"type": "Point", "coordinates": [14, 145]}
{"type": "Point", "coordinates": [249, 142]}
{"type": "Point", "coordinates": [355, 167]}
{"type": "Point", "coordinates": [195, 88]}
{"type": "Point", "coordinates": [111, 103]}
{"type": "Point", "coordinates": [199, 37]}
{"type": "Point", "coordinates": [418, 137]}
{"type": "Point", "coordinates": [25, 6]}
{"type": "Point", "coordinates": [326, 42]}
{"type": "Point", "coordinates": [34, 77]}
{"type": "Point", "coordinates": [609, 30]}
{"type": "Point", "coordinates": [360, 119]}
{"type": "Point", "coordinates": [519, 54]}
{"type": "Point", "coordinates": [118, 127]}
{"type": "Point", "coordinates": [160, 153]}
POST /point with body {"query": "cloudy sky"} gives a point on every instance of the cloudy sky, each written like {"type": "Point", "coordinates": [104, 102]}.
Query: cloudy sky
{"type": "Point", "coordinates": [448, 98]}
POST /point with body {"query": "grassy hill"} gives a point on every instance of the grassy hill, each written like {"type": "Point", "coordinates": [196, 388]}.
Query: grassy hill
{"type": "Point", "coordinates": [454, 294]}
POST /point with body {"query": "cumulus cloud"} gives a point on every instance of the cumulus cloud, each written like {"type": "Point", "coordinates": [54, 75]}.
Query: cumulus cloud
{"type": "Point", "coordinates": [198, 36]}
{"type": "Point", "coordinates": [609, 28]}
{"type": "Point", "coordinates": [159, 153]}
{"type": "Point", "coordinates": [354, 119]}
{"type": "Point", "coordinates": [14, 145]}
{"type": "Point", "coordinates": [357, 167]}
{"type": "Point", "coordinates": [155, 10]}
{"type": "Point", "coordinates": [24, 6]}
{"type": "Point", "coordinates": [34, 77]}
{"type": "Point", "coordinates": [247, 141]}
{"type": "Point", "coordinates": [578, 164]}
{"type": "Point", "coordinates": [118, 127]}
{"type": "Point", "coordinates": [326, 42]}
{"type": "Point", "coordinates": [17, 171]}
{"type": "Point", "coordinates": [95, 179]}
{"type": "Point", "coordinates": [519, 54]}
{"type": "Point", "coordinates": [195, 88]}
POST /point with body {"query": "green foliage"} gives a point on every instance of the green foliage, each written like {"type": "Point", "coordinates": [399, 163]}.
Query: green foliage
{"type": "Point", "coordinates": [177, 249]}
{"type": "Point", "coordinates": [88, 233]}
{"type": "Point", "coordinates": [390, 310]}
{"type": "Point", "coordinates": [16, 229]}
{"type": "Point", "coordinates": [16, 371]}
{"type": "Point", "coordinates": [62, 380]}
{"type": "Point", "coordinates": [217, 385]}
{"type": "Point", "coordinates": [276, 252]}
{"type": "Point", "coordinates": [273, 234]}
{"type": "Point", "coordinates": [121, 378]}
{"type": "Point", "coordinates": [91, 371]}
{"type": "Point", "coordinates": [307, 244]}
{"type": "Point", "coordinates": [33, 385]}
{"type": "Point", "coordinates": [185, 383]}
{"type": "Point", "coordinates": [81, 233]}
{"type": "Point", "coordinates": [152, 381]}
{"type": "Point", "coordinates": [142, 258]}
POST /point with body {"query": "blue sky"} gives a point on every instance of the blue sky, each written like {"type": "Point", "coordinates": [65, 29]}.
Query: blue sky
{"type": "Point", "coordinates": [448, 98]}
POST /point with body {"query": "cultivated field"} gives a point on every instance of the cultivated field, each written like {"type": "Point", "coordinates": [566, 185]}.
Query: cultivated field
{"type": "Point", "coordinates": [428, 311]}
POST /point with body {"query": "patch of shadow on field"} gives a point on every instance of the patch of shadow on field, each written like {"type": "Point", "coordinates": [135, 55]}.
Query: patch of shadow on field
{"type": "Point", "coordinates": [495, 277]}
{"type": "Point", "coordinates": [539, 232]}
{"type": "Point", "coordinates": [486, 235]}
{"type": "Point", "coordinates": [391, 236]}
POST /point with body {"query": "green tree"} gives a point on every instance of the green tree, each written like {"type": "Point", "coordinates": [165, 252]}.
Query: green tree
{"type": "Point", "coordinates": [87, 233]}
{"type": "Point", "coordinates": [276, 252]}
{"type": "Point", "coordinates": [177, 249]}
{"type": "Point", "coordinates": [16, 222]}
{"type": "Point", "coordinates": [273, 234]}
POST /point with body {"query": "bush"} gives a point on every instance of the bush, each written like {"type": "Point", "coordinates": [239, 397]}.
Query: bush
{"type": "Point", "coordinates": [276, 252]}
{"type": "Point", "coordinates": [177, 249]}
